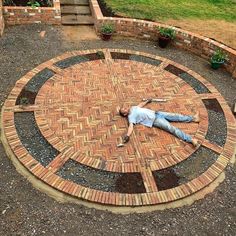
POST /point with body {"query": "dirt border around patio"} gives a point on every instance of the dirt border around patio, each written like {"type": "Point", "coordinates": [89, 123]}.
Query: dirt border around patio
{"type": "Point", "coordinates": [199, 45]}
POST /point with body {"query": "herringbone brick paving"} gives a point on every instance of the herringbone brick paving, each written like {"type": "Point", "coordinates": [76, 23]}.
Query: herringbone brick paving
{"type": "Point", "coordinates": [76, 112]}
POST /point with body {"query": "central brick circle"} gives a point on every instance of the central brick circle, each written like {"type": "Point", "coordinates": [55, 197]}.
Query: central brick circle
{"type": "Point", "coordinates": [82, 111]}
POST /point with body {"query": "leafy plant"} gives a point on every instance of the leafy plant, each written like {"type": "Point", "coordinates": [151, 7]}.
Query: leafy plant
{"type": "Point", "coordinates": [167, 32]}
{"type": "Point", "coordinates": [100, 54]}
{"type": "Point", "coordinates": [49, 3]}
{"type": "Point", "coordinates": [33, 3]}
{"type": "Point", "coordinates": [218, 56]}
{"type": "Point", "coordinates": [24, 101]}
{"type": "Point", "coordinates": [8, 3]}
{"type": "Point", "coordinates": [107, 29]}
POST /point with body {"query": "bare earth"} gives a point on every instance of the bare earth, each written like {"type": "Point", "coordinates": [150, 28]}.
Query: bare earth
{"type": "Point", "coordinates": [221, 31]}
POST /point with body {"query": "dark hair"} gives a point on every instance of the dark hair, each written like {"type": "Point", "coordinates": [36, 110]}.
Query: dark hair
{"type": "Point", "coordinates": [121, 113]}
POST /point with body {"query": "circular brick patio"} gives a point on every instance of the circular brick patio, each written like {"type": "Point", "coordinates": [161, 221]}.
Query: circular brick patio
{"type": "Point", "coordinates": [67, 135]}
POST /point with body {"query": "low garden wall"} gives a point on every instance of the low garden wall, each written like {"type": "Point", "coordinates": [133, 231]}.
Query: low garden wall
{"type": "Point", "coordinates": [1, 19]}
{"type": "Point", "coordinates": [15, 15]}
{"type": "Point", "coordinates": [195, 43]}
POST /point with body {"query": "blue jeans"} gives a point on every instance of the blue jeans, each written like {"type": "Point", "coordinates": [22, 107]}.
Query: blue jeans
{"type": "Point", "coordinates": [162, 121]}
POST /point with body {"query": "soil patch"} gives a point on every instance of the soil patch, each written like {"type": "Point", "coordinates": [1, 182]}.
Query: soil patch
{"type": "Point", "coordinates": [130, 183]}
{"type": "Point", "coordinates": [78, 33]}
{"type": "Point", "coordinates": [26, 95]}
{"type": "Point", "coordinates": [219, 30]}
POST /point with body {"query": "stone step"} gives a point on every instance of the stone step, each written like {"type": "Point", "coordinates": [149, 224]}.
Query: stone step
{"type": "Point", "coordinates": [77, 20]}
{"type": "Point", "coordinates": [75, 2]}
{"type": "Point", "coordinates": [79, 10]}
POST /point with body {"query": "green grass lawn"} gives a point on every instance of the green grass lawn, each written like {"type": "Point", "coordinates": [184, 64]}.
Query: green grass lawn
{"type": "Point", "coordinates": [175, 9]}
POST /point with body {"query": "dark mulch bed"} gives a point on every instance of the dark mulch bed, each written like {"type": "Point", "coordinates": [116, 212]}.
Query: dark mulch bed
{"type": "Point", "coordinates": [106, 11]}
{"type": "Point", "coordinates": [43, 3]}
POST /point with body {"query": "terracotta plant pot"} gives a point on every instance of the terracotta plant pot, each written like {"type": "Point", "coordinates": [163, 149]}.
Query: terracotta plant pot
{"type": "Point", "coordinates": [163, 41]}
{"type": "Point", "coordinates": [106, 36]}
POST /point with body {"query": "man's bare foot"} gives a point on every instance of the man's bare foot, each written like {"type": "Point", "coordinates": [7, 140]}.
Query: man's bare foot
{"type": "Point", "coordinates": [196, 118]}
{"type": "Point", "coordinates": [195, 143]}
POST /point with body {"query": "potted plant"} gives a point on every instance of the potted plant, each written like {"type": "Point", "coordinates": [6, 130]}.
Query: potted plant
{"type": "Point", "coordinates": [165, 36]}
{"type": "Point", "coordinates": [218, 59]}
{"type": "Point", "coordinates": [107, 30]}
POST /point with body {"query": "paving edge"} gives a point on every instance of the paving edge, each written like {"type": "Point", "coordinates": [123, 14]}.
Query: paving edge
{"type": "Point", "coordinates": [65, 198]}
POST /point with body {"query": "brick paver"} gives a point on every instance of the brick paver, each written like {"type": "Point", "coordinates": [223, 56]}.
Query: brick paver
{"type": "Point", "coordinates": [75, 111]}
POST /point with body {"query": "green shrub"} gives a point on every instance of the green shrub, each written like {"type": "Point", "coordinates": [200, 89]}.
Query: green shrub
{"type": "Point", "coordinates": [8, 3]}
{"type": "Point", "coordinates": [167, 32]}
{"type": "Point", "coordinates": [107, 29]}
{"type": "Point", "coordinates": [33, 3]}
{"type": "Point", "coordinates": [218, 56]}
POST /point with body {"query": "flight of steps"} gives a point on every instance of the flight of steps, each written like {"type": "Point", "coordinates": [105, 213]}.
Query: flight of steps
{"type": "Point", "coordinates": [76, 12]}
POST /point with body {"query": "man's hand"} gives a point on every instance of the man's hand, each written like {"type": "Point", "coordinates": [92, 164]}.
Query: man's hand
{"type": "Point", "coordinates": [126, 139]}
{"type": "Point", "coordinates": [145, 102]}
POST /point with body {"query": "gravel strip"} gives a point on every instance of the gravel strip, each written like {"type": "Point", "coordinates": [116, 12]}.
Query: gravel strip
{"type": "Point", "coordinates": [102, 180]}
{"type": "Point", "coordinates": [32, 139]}
{"type": "Point", "coordinates": [217, 129]}
{"type": "Point", "coordinates": [89, 177]}
{"type": "Point", "coordinates": [194, 83]}
{"type": "Point", "coordinates": [38, 80]}
{"type": "Point", "coordinates": [133, 57]}
{"type": "Point", "coordinates": [79, 59]}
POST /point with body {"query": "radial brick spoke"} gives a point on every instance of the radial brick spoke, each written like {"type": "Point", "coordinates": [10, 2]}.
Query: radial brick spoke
{"type": "Point", "coordinates": [212, 146]}
{"type": "Point", "coordinates": [60, 160]}
{"type": "Point", "coordinates": [107, 54]}
{"type": "Point", "coordinates": [149, 181]}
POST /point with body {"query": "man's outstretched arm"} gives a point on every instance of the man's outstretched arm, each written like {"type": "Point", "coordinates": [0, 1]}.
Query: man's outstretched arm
{"type": "Point", "coordinates": [129, 132]}
{"type": "Point", "coordinates": [142, 104]}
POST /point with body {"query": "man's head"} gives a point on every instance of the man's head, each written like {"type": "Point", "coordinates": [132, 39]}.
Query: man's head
{"type": "Point", "coordinates": [124, 111]}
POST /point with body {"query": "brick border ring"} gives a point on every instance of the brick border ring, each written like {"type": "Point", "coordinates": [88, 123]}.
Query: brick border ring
{"type": "Point", "coordinates": [66, 135]}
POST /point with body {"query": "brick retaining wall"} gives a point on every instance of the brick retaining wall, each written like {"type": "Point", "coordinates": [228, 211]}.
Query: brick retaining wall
{"type": "Point", "coordinates": [195, 43]}
{"type": "Point", "coordinates": [1, 19]}
{"type": "Point", "coordinates": [28, 15]}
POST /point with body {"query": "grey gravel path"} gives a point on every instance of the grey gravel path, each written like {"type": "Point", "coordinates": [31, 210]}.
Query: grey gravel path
{"type": "Point", "coordinates": [26, 211]}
